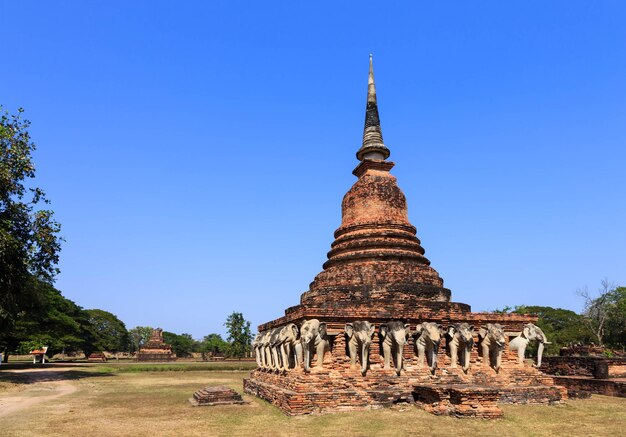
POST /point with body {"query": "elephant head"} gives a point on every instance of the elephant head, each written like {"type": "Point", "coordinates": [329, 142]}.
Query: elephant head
{"type": "Point", "coordinates": [394, 336]}
{"type": "Point", "coordinates": [492, 343]}
{"type": "Point", "coordinates": [359, 335]}
{"type": "Point", "coordinates": [460, 340]}
{"type": "Point", "coordinates": [428, 337]}
{"type": "Point", "coordinates": [314, 339]}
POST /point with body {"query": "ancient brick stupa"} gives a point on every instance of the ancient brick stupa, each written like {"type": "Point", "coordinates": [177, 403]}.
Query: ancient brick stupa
{"type": "Point", "coordinates": [377, 278]}
{"type": "Point", "coordinates": [156, 349]}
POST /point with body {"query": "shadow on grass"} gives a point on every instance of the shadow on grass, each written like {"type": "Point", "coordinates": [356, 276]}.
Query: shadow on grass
{"type": "Point", "coordinates": [27, 377]}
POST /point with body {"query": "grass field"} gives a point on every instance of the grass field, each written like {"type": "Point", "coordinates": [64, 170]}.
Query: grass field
{"type": "Point", "coordinates": [138, 400]}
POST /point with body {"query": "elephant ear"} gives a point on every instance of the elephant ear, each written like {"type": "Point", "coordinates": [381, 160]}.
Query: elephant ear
{"type": "Point", "coordinates": [372, 329]}
{"type": "Point", "coordinates": [322, 330]}
{"type": "Point", "coordinates": [383, 329]}
{"type": "Point", "coordinates": [441, 330]}
{"type": "Point", "coordinates": [542, 336]}
{"type": "Point", "coordinates": [349, 329]}
{"type": "Point", "coordinates": [482, 332]}
{"type": "Point", "coordinates": [295, 330]}
{"type": "Point", "coordinates": [471, 328]}
{"type": "Point", "coordinates": [451, 330]}
{"type": "Point", "coordinates": [526, 331]}
{"type": "Point", "coordinates": [419, 329]}
{"type": "Point", "coordinates": [407, 329]}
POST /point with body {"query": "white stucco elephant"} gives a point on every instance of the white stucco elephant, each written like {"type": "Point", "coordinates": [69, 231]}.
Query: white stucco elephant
{"type": "Point", "coordinates": [394, 336]}
{"type": "Point", "coordinates": [290, 347]}
{"type": "Point", "coordinates": [460, 341]}
{"type": "Point", "coordinates": [530, 333]}
{"type": "Point", "coordinates": [359, 334]}
{"type": "Point", "coordinates": [314, 341]}
{"type": "Point", "coordinates": [427, 340]}
{"type": "Point", "coordinates": [492, 341]}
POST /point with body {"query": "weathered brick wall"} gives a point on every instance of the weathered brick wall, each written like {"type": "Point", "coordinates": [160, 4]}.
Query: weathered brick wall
{"type": "Point", "coordinates": [605, 387]}
{"type": "Point", "coordinates": [593, 367]}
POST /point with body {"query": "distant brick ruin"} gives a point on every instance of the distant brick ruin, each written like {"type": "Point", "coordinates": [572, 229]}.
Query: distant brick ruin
{"type": "Point", "coordinates": [156, 349]}
{"type": "Point", "coordinates": [377, 327]}
{"type": "Point", "coordinates": [586, 369]}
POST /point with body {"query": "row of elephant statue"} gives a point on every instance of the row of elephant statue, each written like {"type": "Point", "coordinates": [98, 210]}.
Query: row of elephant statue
{"type": "Point", "coordinates": [290, 346]}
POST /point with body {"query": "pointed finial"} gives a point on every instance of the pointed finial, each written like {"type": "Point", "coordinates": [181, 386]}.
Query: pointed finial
{"type": "Point", "coordinates": [371, 86]}
{"type": "Point", "coordinates": [373, 146]}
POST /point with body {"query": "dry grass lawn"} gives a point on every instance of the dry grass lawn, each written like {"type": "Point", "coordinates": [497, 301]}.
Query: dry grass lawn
{"type": "Point", "coordinates": [155, 403]}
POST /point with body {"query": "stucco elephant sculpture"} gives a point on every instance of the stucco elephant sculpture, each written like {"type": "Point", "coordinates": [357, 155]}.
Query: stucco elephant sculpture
{"type": "Point", "coordinates": [275, 346]}
{"type": "Point", "coordinates": [314, 341]}
{"type": "Point", "coordinates": [492, 343]}
{"type": "Point", "coordinates": [460, 341]}
{"type": "Point", "coordinates": [256, 346]}
{"type": "Point", "coordinates": [394, 336]}
{"type": "Point", "coordinates": [263, 348]}
{"type": "Point", "coordinates": [530, 333]}
{"type": "Point", "coordinates": [359, 340]}
{"type": "Point", "coordinates": [427, 340]}
{"type": "Point", "coordinates": [290, 347]}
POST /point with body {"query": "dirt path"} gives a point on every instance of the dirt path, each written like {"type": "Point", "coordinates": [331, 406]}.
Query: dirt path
{"type": "Point", "coordinates": [43, 385]}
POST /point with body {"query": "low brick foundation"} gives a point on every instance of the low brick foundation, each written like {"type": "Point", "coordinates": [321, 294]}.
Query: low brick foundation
{"type": "Point", "coordinates": [607, 387]}
{"type": "Point", "coordinates": [216, 395]}
{"type": "Point", "coordinates": [458, 401]}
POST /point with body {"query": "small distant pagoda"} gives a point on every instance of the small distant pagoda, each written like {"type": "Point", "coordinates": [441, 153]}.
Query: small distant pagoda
{"type": "Point", "coordinates": [156, 349]}
{"type": "Point", "coordinates": [376, 280]}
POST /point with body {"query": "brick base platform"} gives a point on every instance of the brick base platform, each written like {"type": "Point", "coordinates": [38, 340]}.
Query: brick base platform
{"type": "Point", "coordinates": [447, 392]}
{"type": "Point", "coordinates": [217, 395]}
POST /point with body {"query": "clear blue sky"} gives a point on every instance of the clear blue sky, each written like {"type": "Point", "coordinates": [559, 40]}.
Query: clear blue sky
{"type": "Point", "coordinates": [196, 154]}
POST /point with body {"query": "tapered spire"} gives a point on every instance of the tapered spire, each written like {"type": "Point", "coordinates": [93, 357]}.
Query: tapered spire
{"type": "Point", "coordinates": [373, 146]}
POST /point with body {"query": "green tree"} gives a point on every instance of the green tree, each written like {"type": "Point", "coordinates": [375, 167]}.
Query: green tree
{"type": "Point", "coordinates": [182, 345]}
{"type": "Point", "coordinates": [615, 330]}
{"type": "Point", "coordinates": [239, 335]}
{"type": "Point", "coordinates": [29, 241]}
{"type": "Point", "coordinates": [56, 322]}
{"type": "Point", "coordinates": [108, 333]}
{"type": "Point", "coordinates": [605, 312]}
{"type": "Point", "coordinates": [139, 336]}
{"type": "Point", "coordinates": [214, 344]}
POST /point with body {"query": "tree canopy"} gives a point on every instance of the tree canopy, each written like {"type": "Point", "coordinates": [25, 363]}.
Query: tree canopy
{"type": "Point", "coordinates": [108, 333]}
{"type": "Point", "coordinates": [139, 336]}
{"type": "Point", "coordinates": [605, 314]}
{"type": "Point", "coordinates": [239, 335]}
{"type": "Point", "coordinates": [57, 323]}
{"type": "Point", "coordinates": [182, 345]}
{"type": "Point", "coordinates": [29, 240]}
{"type": "Point", "coordinates": [214, 344]}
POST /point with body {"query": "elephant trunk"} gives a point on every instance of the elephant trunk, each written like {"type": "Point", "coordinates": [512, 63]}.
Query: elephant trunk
{"type": "Point", "coordinates": [466, 358]}
{"type": "Point", "coordinates": [399, 360]}
{"type": "Point", "coordinates": [364, 356]}
{"type": "Point", "coordinates": [540, 354]}
{"type": "Point", "coordinates": [498, 359]}
{"type": "Point", "coordinates": [307, 357]}
{"type": "Point", "coordinates": [433, 357]}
